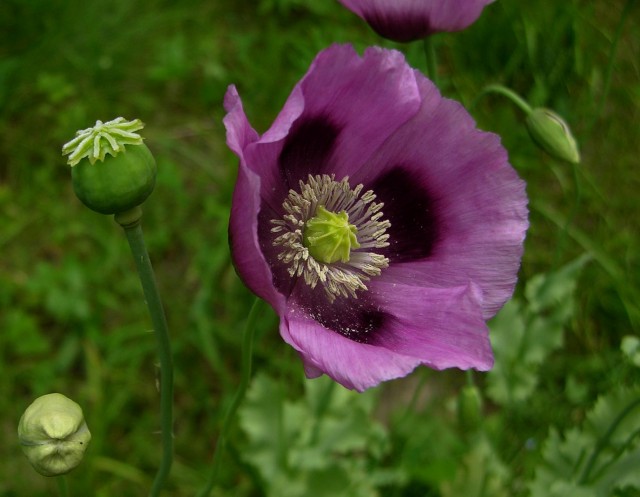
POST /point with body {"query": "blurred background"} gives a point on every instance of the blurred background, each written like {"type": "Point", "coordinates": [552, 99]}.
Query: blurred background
{"type": "Point", "coordinates": [72, 316]}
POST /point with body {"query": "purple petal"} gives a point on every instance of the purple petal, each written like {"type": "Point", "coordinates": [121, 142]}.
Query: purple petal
{"type": "Point", "coordinates": [243, 223]}
{"type": "Point", "coordinates": [359, 319]}
{"type": "Point", "coordinates": [354, 365]}
{"type": "Point", "coordinates": [441, 326]}
{"type": "Point", "coordinates": [239, 132]}
{"type": "Point", "coordinates": [477, 203]}
{"type": "Point", "coordinates": [410, 208]}
{"type": "Point", "coordinates": [338, 91]}
{"type": "Point", "coordinates": [247, 256]}
{"type": "Point", "coordinates": [307, 149]}
{"type": "Point", "coordinates": [409, 20]}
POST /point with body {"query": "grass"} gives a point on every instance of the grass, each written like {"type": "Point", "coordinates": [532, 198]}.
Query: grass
{"type": "Point", "coordinates": [71, 310]}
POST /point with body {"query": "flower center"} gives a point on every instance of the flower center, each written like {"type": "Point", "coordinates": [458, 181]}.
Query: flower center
{"type": "Point", "coordinates": [329, 235]}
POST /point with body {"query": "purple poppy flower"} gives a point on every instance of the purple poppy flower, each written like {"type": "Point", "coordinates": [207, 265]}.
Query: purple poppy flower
{"type": "Point", "coordinates": [366, 146]}
{"type": "Point", "coordinates": [409, 20]}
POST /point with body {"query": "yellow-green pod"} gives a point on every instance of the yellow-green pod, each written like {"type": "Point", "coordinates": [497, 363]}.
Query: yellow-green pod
{"type": "Point", "coordinates": [53, 434]}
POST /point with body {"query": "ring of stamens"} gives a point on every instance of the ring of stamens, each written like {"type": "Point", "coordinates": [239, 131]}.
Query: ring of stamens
{"type": "Point", "coordinates": [339, 279]}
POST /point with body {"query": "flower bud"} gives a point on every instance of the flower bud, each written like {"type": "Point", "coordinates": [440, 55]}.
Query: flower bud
{"type": "Point", "coordinates": [552, 134]}
{"type": "Point", "coordinates": [631, 348]}
{"type": "Point", "coordinates": [53, 434]}
{"type": "Point", "coordinates": [107, 177]}
{"type": "Point", "coordinates": [470, 408]}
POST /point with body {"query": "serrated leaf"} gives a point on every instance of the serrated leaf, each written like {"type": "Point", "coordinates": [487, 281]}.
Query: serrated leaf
{"type": "Point", "coordinates": [481, 474]}
{"type": "Point", "coordinates": [545, 291]}
{"type": "Point", "coordinates": [524, 334]}
{"type": "Point", "coordinates": [296, 444]}
{"type": "Point", "coordinates": [601, 456]}
{"type": "Point", "coordinates": [562, 489]}
{"type": "Point", "coordinates": [261, 417]}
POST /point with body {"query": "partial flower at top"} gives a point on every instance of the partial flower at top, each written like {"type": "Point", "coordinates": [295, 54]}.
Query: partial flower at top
{"type": "Point", "coordinates": [379, 223]}
{"type": "Point", "coordinates": [409, 20]}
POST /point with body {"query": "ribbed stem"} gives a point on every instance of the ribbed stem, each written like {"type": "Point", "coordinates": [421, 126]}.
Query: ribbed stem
{"type": "Point", "coordinates": [247, 356]}
{"type": "Point", "coordinates": [130, 222]}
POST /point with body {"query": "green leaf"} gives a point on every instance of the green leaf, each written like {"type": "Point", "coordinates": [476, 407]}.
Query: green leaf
{"type": "Point", "coordinates": [325, 443]}
{"type": "Point", "coordinates": [261, 417]}
{"type": "Point", "coordinates": [549, 291]}
{"type": "Point", "coordinates": [598, 458]}
{"type": "Point", "coordinates": [523, 334]}
{"type": "Point", "coordinates": [481, 474]}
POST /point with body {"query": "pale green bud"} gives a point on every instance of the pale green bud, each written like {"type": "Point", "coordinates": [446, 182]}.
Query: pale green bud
{"type": "Point", "coordinates": [552, 134]}
{"type": "Point", "coordinates": [53, 434]}
{"type": "Point", "coordinates": [631, 348]}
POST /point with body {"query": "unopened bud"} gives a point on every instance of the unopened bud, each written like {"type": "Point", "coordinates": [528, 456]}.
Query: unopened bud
{"type": "Point", "coordinates": [53, 434]}
{"type": "Point", "coordinates": [108, 177]}
{"type": "Point", "coordinates": [552, 134]}
{"type": "Point", "coordinates": [470, 408]}
{"type": "Point", "coordinates": [631, 348]}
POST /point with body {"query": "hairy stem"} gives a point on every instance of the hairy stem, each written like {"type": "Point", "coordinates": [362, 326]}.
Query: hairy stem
{"type": "Point", "coordinates": [505, 92]}
{"type": "Point", "coordinates": [130, 222]}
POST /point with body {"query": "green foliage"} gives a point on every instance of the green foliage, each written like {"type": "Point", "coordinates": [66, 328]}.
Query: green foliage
{"type": "Point", "coordinates": [524, 334]}
{"type": "Point", "coordinates": [480, 474]}
{"type": "Point", "coordinates": [631, 348]}
{"type": "Point", "coordinates": [599, 458]}
{"type": "Point", "coordinates": [317, 445]}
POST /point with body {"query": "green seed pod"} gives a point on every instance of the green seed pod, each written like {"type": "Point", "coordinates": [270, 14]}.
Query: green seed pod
{"type": "Point", "coordinates": [552, 134]}
{"type": "Point", "coordinates": [107, 177]}
{"type": "Point", "coordinates": [470, 408]}
{"type": "Point", "coordinates": [53, 434]}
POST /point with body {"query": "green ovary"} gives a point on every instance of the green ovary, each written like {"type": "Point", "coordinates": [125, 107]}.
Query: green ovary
{"type": "Point", "coordinates": [329, 237]}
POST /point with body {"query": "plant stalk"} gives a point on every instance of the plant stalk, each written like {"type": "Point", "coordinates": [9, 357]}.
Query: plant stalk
{"type": "Point", "coordinates": [130, 222]}
{"type": "Point", "coordinates": [247, 357]}
{"type": "Point", "coordinates": [432, 63]}
{"type": "Point", "coordinates": [63, 486]}
{"type": "Point", "coordinates": [505, 92]}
